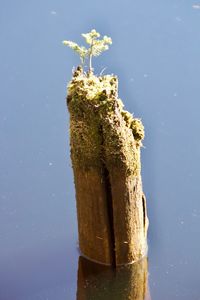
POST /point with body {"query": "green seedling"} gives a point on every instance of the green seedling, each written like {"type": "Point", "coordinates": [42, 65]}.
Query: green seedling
{"type": "Point", "coordinates": [96, 47]}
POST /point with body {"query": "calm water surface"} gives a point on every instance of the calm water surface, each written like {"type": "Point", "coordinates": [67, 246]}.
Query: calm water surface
{"type": "Point", "coordinates": [155, 53]}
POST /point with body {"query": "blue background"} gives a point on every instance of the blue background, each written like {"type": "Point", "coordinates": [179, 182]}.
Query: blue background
{"type": "Point", "coordinates": [155, 54]}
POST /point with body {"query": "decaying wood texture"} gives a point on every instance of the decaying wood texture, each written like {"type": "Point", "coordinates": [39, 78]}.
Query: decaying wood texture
{"type": "Point", "coordinates": [101, 282]}
{"type": "Point", "coordinates": [105, 152]}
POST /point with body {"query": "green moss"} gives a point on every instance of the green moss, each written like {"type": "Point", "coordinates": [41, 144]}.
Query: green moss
{"type": "Point", "coordinates": [137, 129]}
{"type": "Point", "coordinates": [100, 130]}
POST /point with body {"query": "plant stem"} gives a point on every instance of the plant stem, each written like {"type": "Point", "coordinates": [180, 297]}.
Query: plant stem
{"type": "Point", "coordinates": [90, 59]}
{"type": "Point", "coordinates": [90, 63]}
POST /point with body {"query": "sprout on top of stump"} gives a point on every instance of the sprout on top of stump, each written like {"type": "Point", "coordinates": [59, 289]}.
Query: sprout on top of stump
{"type": "Point", "coordinates": [96, 46]}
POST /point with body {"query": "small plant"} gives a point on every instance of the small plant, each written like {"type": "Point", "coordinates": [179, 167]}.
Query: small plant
{"type": "Point", "coordinates": [96, 47]}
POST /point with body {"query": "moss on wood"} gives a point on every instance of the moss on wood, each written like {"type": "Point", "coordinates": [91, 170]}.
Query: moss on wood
{"type": "Point", "coordinates": [97, 116]}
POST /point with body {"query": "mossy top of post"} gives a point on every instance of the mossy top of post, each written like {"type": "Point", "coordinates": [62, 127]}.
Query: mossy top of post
{"type": "Point", "coordinates": [102, 91]}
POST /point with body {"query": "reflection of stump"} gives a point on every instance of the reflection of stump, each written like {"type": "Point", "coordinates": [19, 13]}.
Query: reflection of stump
{"type": "Point", "coordinates": [105, 151]}
{"type": "Point", "coordinates": [103, 283]}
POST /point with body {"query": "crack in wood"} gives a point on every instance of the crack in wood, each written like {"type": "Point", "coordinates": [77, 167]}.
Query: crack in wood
{"type": "Point", "coordinates": [110, 214]}
{"type": "Point", "coordinates": [109, 201]}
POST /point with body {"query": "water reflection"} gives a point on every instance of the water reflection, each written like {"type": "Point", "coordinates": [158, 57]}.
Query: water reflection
{"type": "Point", "coordinates": [98, 282]}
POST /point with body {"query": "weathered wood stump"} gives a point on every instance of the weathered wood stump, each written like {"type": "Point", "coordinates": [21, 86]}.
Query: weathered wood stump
{"type": "Point", "coordinates": [101, 282]}
{"type": "Point", "coordinates": [105, 152]}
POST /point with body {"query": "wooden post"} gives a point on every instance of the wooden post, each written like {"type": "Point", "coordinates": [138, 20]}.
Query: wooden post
{"type": "Point", "coordinates": [101, 282]}
{"type": "Point", "coordinates": [105, 152]}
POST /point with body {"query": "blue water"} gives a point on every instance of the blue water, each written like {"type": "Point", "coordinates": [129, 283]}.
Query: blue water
{"type": "Point", "coordinates": [155, 54]}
